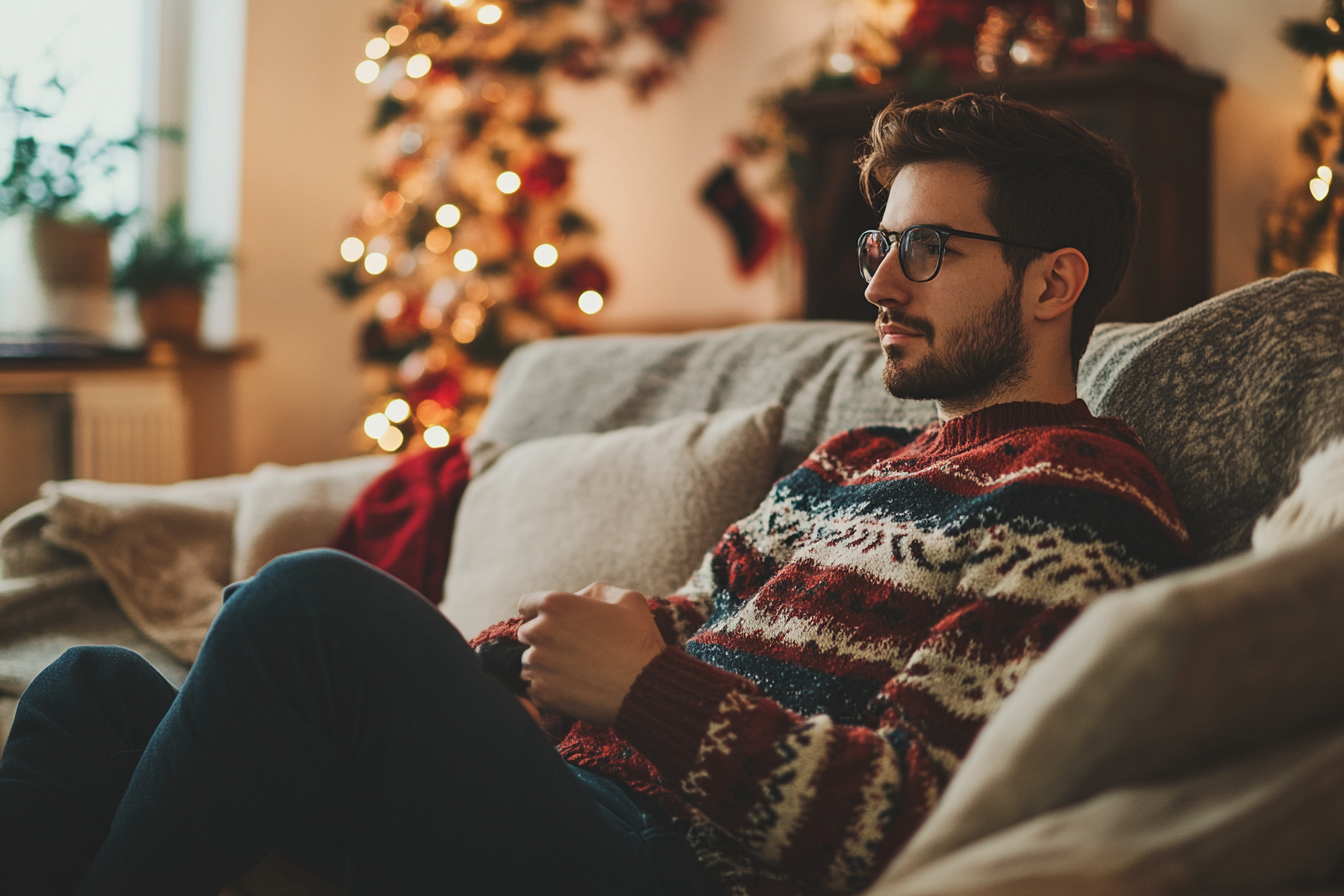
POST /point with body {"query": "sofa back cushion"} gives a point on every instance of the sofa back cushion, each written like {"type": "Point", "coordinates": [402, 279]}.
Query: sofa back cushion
{"type": "Point", "coordinates": [1230, 397]}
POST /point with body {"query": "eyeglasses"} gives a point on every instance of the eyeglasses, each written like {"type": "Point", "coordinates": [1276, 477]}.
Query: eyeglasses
{"type": "Point", "coordinates": [921, 249]}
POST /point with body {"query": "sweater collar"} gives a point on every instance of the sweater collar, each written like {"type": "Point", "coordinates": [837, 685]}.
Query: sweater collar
{"type": "Point", "coordinates": [997, 420]}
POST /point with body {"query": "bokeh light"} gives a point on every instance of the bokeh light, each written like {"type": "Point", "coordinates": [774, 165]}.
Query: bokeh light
{"type": "Point", "coordinates": [397, 34]}
{"type": "Point", "coordinates": [464, 260]}
{"type": "Point", "coordinates": [375, 425]}
{"type": "Point", "coordinates": [437, 437]}
{"type": "Point", "coordinates": [438, 240]}
{"type": "Point", "coordinates": [352, 248]}
{"type": "Point", "coordinates": [397, 410]}
{"type": "Point", "coordinates": [367, 71]}
{"type": "Point", "coordinates": [376, 48]}
{"type": "Point", "coordinates": [508, 182]}
{"type": "Point", "coordinates": [418, 66]}
{"type": "Point", "coordinates": [448, 215]}
{"type": "Point", "coordinates": [590, 301]}
{"type": "Point", "coordinates": [391, 440]}
{"type": "Point", "coordinates": [375, 263]}
{"type": "Point", "coordinates": [545, 255]}
{"type": "Point", "coordinates": [489, 14]}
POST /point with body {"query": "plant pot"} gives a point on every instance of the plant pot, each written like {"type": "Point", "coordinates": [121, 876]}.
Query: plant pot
{"type": "Point", "coordinates": [172, 314]}
{"type": "Point", "coordinates": [74, 270]}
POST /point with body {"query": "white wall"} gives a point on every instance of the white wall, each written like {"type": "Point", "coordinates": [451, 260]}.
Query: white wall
{"type": "Point", "coordinates": [305, 150]}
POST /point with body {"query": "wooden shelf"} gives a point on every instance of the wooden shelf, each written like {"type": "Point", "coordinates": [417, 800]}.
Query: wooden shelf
{"type": "Point", "coordinates": [1160, 114]}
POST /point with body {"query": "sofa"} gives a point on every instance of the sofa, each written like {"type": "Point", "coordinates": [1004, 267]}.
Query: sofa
{"type": "Point", "coordinates": [1184, 735]}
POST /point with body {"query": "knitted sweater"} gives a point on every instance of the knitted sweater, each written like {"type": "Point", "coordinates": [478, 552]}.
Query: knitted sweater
{"type": "Point", "coordinates": [836, 653]}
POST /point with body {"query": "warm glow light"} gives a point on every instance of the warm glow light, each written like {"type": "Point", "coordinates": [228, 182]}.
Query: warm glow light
{"type": "Point", "coordinates": [428, 411]}
{"type": "Point", "coordinates": [842, 63]}
{"type": "Point", "coordinates": [375, 425]}
{"type": "Point", "coordinates": [366, 71]}
{"type": "Point", "coordinates": [1332, 24]}
{"type": "Point", "coordinates": [380, 243]}
{"type": "Point", "coordinates": [437, 437]}
{"type": "Point", "coordinates": [430, 317]}
{"type": "Point", "coordinates": [438, 240]}
{"type": "Point", "coordinates": [391, 440]}
{"type": "Point", "coordinates": [464, 260]}
{"type": "Point", "coordinates": [390, 305]}
{"type": "Point", "coordinates": [397, 34]}
{"type": "Point", "coordinates": [489, 14]}
{"type": "Point", "coordinates": [458, 4]}
{"type": "Point", "coordinates": [493, 92]}
{"type": "Point", "coordinates": [376, 48]}
{"type": "Point", "coordinates": [508, 182]}
{"type": "Point", "coordinates": [545, 255]}
{"type": "Point", "coordinates": [418, 66]}
{"type": "Point", "coordinates": [448, 215]}
{"type": "Point", "coordinates": [375, 262]}
{"type": "Point", "coordinates": [463, 331]}
{"type": "Point", "coordinates": [1334, 67]}
{"type": "Point", "coordinates": [1325, 174]}
{"type": "Point", "coordinates": [398, 409]}
{"type": "Point", "coordinates": [1319, 189]}
{"type": "Point", "coordinates": [590, 301]}
{"type": "Point", "coordinates": [1020, 52]}
{"type": "Point", "coordinates": [352, 247]}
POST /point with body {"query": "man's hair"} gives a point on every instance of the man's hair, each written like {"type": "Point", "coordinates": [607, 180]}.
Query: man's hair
{"type": "Point", "coordinates": [1051, 182]}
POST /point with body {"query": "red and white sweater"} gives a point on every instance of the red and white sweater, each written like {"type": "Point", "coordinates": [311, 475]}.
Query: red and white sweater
{"type": "Point", "coordinates": [833, 658]}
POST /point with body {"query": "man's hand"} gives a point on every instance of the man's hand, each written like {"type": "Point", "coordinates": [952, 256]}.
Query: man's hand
{"type": "Point", "coordinates": [585, 650]}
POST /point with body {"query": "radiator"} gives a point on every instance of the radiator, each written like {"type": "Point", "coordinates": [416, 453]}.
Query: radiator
{"type": "Point", "coordinates": [130, 427]}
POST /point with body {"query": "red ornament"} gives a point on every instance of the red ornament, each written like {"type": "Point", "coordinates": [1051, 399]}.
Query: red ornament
{"type": "Point", "coordinates": [441, 385]}
{"type": "Point", "coordinates": [585, 274]}
{"type": "Point", "coordinates": [546, 176]}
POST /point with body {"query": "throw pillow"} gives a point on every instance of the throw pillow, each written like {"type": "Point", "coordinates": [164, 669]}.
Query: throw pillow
{"type": "Point", "coordinates": [1180, 674]}
{"type": "Point", "coordinates": [1314, 507]}
{"type": "Point", "coordinates": [636, 507]}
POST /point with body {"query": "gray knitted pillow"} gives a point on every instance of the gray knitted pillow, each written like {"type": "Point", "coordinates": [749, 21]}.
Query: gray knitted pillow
{"type": "Point", "coordinates": [1229, 396]}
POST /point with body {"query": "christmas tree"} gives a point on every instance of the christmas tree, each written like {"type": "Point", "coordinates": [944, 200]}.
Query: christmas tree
{"type": "Point", "coordinates": [1294, 234]}
{"type": "Point", "coordinates": [469, 245]}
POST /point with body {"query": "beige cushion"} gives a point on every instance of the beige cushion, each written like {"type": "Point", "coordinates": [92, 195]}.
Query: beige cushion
{"type": "Point", "coordinates": [636, 507]}
{"type": "Point", "coordinates": [287, 509]}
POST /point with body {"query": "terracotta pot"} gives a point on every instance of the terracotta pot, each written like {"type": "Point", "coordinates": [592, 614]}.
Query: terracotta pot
{"type": "Point", "coordinates": [71, 254]}
{"type": "Point", "coordinates": [171, 314]}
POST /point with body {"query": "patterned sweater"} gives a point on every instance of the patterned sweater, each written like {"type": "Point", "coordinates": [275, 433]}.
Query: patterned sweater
{"type": "Point", "coordinates": [837, 652]}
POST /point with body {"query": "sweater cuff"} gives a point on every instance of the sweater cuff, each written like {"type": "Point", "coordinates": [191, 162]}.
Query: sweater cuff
{"type": "Point", "coordinates": [669, 707]}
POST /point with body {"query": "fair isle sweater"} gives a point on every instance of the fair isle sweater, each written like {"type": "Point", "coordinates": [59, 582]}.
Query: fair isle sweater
{"type": "Point", "coordinates": [836, 653]}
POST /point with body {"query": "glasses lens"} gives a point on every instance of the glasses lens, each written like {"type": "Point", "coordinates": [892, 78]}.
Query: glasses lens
{"type": "Point", "coordinates": [921, 250]}
{"type": "Point", "coordinates": [873, 247]}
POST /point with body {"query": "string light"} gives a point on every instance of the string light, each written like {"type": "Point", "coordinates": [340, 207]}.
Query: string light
{"type": "Point", "coordinates": [508, 182]}
{"type": "Point", "coordinates": [590, 301]}
{"type": "Point", "coordinates": [545, 255]}
{"type": "Point", "coordinates": [1319, 189]}
{"type": "Point", "coordinates": [376, 48]}
{"type": "Point", "coordinates": [391, 440]}
{"type": "Point", "coordinates": [375, 263]}
{"type": "Point", "coordinates": [1325, 174]}
{"type": "Point", "coordinates": [352, 249]}
{"type": "Point", "coordinates": [375, 425]}
{"type": "Point", "coordinates": [448, 215]}
{"type": "Point", "coordinates": [418, 66]}
{"type": "Point", "coordinates": [842, 63]}
{"type": "Point", "coordinates": [367, 71]}
{"type": "Point", "coordinates": [437, 437]}
{"type": "Point", "coordinates": [489, 14]}
{"type": "Point", "coordinates": [464, 260]}
{"type": "Point", "coordinates": [398, 409]}
{"type": "Point", "coordinates": [397, 34]}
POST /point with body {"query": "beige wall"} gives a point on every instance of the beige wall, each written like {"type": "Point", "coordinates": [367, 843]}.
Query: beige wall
{"type": "Point", "coordinates": [639, 168]}
{"type": "Point", "coordinates": [305, 150]}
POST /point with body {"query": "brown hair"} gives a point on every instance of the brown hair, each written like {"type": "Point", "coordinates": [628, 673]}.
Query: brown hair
{"type": "Point", "coordinates": [1051, 182]}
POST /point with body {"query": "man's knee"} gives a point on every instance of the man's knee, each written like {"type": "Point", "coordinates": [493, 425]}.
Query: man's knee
{"type": "Point", "coordinates": [103, 677]}
{"type": "Point", "coordinates": [321, 583]}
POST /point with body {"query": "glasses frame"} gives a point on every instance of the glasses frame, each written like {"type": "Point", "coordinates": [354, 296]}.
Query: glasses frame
{"type": "Point", "coordinates": [902, 241]}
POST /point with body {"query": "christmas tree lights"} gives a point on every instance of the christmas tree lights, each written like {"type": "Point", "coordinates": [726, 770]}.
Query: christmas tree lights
{"type": "Point", "coordinates": [470, 245]}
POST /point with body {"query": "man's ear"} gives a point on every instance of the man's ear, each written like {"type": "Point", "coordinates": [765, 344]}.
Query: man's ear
{"type": "Point", "coordinates": [1062, 278]}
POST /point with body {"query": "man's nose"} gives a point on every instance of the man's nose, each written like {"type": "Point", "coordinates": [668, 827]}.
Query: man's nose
{"type": "Point", "coordinates": [889, 285]}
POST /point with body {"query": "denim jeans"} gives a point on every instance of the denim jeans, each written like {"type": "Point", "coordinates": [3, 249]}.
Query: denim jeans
{"type": "Point", "coordinates": [332, 714]}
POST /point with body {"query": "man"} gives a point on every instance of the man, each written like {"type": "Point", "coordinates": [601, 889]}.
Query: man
{"type": "Point", "coordinates": [782, 725]}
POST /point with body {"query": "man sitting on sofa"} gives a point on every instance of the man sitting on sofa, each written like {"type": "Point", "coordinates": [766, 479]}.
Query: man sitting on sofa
{"type": "Point", "coordinates": [783, 724]}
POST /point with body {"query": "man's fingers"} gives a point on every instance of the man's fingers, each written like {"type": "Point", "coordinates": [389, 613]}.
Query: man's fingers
{"type": "Point", "coordinates": [530, 604]}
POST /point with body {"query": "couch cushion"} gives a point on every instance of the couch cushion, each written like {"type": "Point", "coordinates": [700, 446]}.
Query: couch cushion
{"type": "Point", "coordinates": [636, 507]}
{"type": "Point", "coordinates": [1229, 396]}
{"type": "Point", "coordinates": [1179, 674]}
{"type": "Point", "coordinates": [827, 374]}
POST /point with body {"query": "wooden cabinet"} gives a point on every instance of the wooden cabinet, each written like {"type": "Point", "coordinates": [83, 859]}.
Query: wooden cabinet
{"type": "Point", "coordinates": [1160, 115]}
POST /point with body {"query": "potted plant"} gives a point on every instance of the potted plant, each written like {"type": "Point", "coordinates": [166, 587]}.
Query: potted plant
{"type": "Point", "coordinates": [168, 269]}
{"type": "Point", "coordinates": [68, 244]}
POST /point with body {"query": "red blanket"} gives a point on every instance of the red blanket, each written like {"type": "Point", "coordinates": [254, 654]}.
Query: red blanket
{"type": "Point", "coordinates": [403, 521]}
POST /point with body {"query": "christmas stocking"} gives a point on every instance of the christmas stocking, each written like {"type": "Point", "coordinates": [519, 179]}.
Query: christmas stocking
{"type": "Point", "coordinates": [753, 234]}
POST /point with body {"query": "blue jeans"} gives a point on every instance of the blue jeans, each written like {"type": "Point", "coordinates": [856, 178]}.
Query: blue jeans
{"type": "Point", "coordinates": [332, 714]}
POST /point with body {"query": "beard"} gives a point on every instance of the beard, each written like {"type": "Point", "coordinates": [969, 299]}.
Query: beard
{"type": "Point", "coordinates": [985, 357]}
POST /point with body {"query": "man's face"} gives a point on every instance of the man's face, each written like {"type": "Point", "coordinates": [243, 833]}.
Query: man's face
{"type": "Point", "coordinates": [960, 337]}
